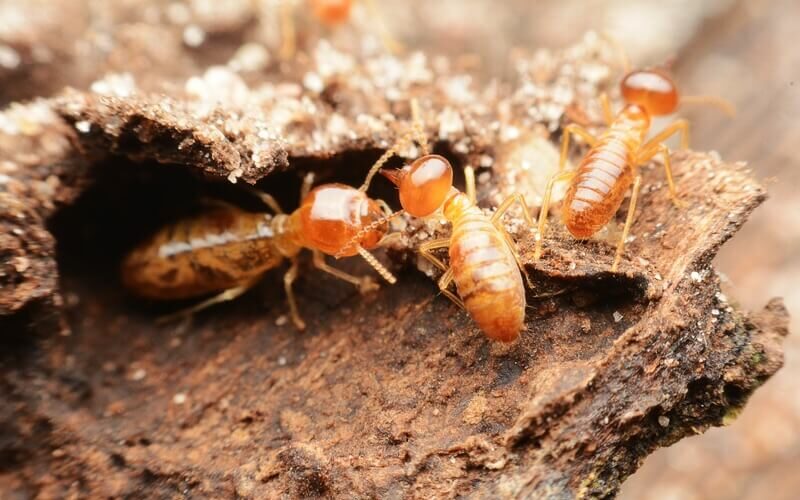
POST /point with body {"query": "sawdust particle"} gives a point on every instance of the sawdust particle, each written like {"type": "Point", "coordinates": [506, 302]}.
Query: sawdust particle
{"type": "Point", "coordinates": [473, 414]}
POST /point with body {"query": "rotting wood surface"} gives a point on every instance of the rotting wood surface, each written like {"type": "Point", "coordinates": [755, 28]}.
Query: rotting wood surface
{"type": "Point", "coordinates": [394, 394]}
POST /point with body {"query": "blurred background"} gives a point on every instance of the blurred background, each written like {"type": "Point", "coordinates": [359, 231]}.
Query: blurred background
{"type": "Point", "coordinates": [743, 50]}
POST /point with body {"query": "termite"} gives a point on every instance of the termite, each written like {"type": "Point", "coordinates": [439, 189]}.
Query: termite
{"type": "Point", "coordinates": [599, 184]}
{"type": "Point", "coordinates": [226, 250]}
{"type": "Point", "coordinates": [484, 263]}
{"type": "Point", "coordinates": [330, 13]}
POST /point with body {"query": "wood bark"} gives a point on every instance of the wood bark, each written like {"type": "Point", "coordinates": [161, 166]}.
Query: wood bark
{"type": "Point", "coordinates": [392, 394]}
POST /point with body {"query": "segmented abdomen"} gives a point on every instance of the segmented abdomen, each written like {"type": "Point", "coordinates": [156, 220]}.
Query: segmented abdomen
{"type": "Point", "coordinates": [602, 178]}
{"type": "Point", "coordinates": [487, 276]}
{"type": "Point", "coordinates": [219, 249]}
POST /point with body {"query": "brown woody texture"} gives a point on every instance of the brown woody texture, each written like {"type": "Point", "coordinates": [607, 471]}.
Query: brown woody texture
{"type": "Point", "coordinates": [394, 394]}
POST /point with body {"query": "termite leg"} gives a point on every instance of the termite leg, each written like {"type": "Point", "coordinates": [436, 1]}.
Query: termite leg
{"type": "Point", "coordinates": [497, 221]}
{"type": "Point", "coordinates": [548, 193]}
{"type": "Point", "coordinates": [425, 251]}
{"type": "Point", "coordinates": [447, 277]}
{"type": "Point", "coordinates": [364, 284]}
{"type": "Point", "coordinates": [469, 181]}
{"type": "Point", "coordinates": [675, 127]}
{"type": "Point", "coordinates": [444, 283]}
{"type": "Point", "coordinates": [503, 208]}
{"type": "Point", "coordinates": [628, 221]}
{"type": "Point", "coordinates": [388, 40]}
{"type": "Point", "coordinates": [662, 148]}
{"type": "Point", "coordinates": [288, 35]}
{"type": "Point", "coordinates": [605, 105]}
{"type": "Point", "coordinates": [288, 279]}
{"type": "Point", "coordinates": [573, 129]}
{"type": "Point", "coordinates": [513, 247]}
{"type": "Point", "coordinates": [225, 296]}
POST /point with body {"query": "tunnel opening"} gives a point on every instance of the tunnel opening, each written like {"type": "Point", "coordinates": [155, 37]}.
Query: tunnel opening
{"type": "Point", "coordinates": [126, 201]}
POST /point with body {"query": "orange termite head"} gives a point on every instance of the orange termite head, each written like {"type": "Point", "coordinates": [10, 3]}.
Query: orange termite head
{"type": "Point", "coordinates": [424, 185]}
{"type": "Point", "coordinates": [332, 11]}
{"type": "Point", "coordinates": [335, 218]}
{"type": "Point", "coordinates": [651, 89]}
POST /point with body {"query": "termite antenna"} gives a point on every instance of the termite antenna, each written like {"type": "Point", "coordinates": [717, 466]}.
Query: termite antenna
{"type": "Point", "coordinates": [620, 49]}
{"type": "Point", "coordinates": [418, 127]}
{"type": "Point", "coordinates": [305, 187]}
{"type": "Point", "coordinates": [417, 133]}
{"type": "Point", "coordinates": [388, 40]}
{"type": "Point", "coordinates": [379, 268]}
{"type": "Point", "coordinates": [288, 35]}
{"type": "Point", "coordinates": [376, 224]}
{"type": "Point", "coordinates": [668, 64]}
{"type": "Point", "coordinates": [366, 230]}
{"type": "Point", "coordinates": [266, 198]}
{"type": "Point", "coordinates": [556, 293]}
{"type": "Point", "coordinates": [401, 142]}
{"type": "Point", "coordinates": [720, 103]}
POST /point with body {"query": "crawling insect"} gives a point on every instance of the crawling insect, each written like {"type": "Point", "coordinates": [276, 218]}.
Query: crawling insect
{"type": "Point", "coordinates": [330, 13]}
{"type": "Point", "coordinates": [610, 167]}
{"type": "Point", "coordinates": [227, 250]}
{"type": "Point", "coordinates": [483, 259]}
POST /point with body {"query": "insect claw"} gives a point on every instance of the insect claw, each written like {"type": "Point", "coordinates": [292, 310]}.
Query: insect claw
{"type": "Point", "coordinates": [299, 323]}
{"type": "Point", "coordinates": [368, 285]}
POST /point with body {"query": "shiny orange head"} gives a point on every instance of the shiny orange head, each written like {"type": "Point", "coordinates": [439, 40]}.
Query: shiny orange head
{"type": "Point", "coordinates": [333, 216]}
{"type": "Point", "coordinates": [424, 185]}
{"type": "Point", "coordinates": [332, 11]}
{"type": "Point", "coordinates": [651, 89]}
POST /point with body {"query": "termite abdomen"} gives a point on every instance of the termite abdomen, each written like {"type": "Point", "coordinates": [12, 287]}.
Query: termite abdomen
{"type": "Point", "coordinates": [487, 277]}
{"type": "Point", "coordinates": [598, 189]}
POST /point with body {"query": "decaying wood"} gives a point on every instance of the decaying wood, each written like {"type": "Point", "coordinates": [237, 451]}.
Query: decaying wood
{"type": "Point", "coordinates": [394, 394]}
